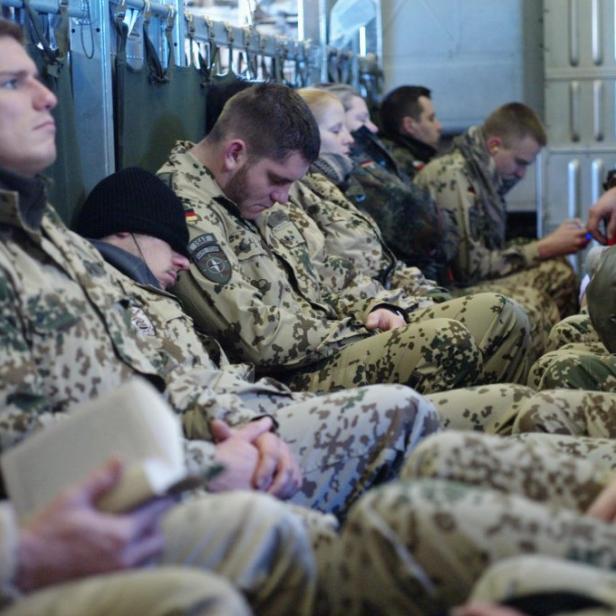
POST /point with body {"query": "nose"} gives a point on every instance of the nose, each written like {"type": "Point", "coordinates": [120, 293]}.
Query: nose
{"type": "Point", "coordinates": [43, 98]}
{"type": "Point", "coordinates": [180, 262]}
{"type": "Point", "coordinates": [347, 139]}
{"type": "Point", "coordinates": [520, 172]}
{"type": "Point", "coordinates": [371, 126]}
{"type": "Point", "coordinates": [280, 195]}
{"type": "Point", "coordinates": [439, 126]}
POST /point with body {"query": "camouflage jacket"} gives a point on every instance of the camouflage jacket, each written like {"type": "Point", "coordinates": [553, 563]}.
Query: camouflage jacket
{"type": "Point", "coordinates": [263, 300]}
{"type": "Point", "coordinates": [411, 155]}
{"type": "Point", "coordinates": [469, 193]}
{"type": "Point", "coordinates": [353, 234]}
{"type": "Point", "coordinates": [406, 214]}
{"type": "Point", "coordinates": [67, 328]}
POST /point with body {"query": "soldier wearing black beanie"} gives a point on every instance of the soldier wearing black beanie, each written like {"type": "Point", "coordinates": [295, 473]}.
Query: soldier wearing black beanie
{"type": "Point", "coordinates": [135, 201]}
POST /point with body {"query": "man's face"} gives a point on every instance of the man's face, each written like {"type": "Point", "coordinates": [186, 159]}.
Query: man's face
{"type": "Point", "coordinates": [512, 162]}
{"type": "Point", "coordinates": [27, 129]}
{"type": "Point", "coordinates": [357, 115]}
{"type": "Point", "coordinates": [257, 185]}
{"type": "Point", "coordinates": [427, 128]}
{"type": "Point", "coordinates": [163, 261]}
{"type": "Point", "coordinates": [335, 137]}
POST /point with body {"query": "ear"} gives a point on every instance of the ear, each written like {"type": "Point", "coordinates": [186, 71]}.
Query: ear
{"type": "Point", "coordinates": [408, 126]}
{"type": "Point", "coordinates": [234, 155]}
{"type": "Point", "coordinates": [494, 144]}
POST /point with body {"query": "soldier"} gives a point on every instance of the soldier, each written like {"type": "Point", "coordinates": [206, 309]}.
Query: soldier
{"type": "Point", "coordinates": [411, 130]}
{"type": "Point", "coordinates": [418, 546]}
{"type": "Point", "coordinates": [137, 223]}
{"type": "Point", "coordinates": [469, 186]}
{"type": "Point", "coordinates": [72, 559]}
{"type": "Point", "coordinates": [356, 258]}
{"type": "Point", "coordinates": [260, 295]}
{"type": "Point", "coordinates": [542, 311]}
{"type": "Point", "coordinates": [66, 337]}
{"type": "Point", "coordinates": [406, 214]}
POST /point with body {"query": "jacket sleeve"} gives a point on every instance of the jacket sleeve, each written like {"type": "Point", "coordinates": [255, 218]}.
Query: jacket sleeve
{"type": "Point", "coordinates": [259, 320]}
{"type": "Point", "coordinates": [471, 259]}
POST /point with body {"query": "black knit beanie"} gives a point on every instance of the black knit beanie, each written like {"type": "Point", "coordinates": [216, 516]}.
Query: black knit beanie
{"type": "Point", "coordinates": [136, 201]}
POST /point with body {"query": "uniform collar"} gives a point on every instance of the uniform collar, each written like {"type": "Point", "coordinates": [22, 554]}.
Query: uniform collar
{"type": "Point", "coordinates": [420, 150]}
{"type": "Point", "coordinates": [203, 177]}
{"type": "Point", "coordinates": [22, 200]}
{"type": "Point", "coordinates": [127, 263]}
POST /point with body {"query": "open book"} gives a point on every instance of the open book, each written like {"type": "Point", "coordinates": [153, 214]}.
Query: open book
{"type": "Point", "coordinates": [132, 423]}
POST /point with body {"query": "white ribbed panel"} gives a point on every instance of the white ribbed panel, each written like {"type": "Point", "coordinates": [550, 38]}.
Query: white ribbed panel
{"type": "Point", "coordinates": [574, 110]}
{"type": "Point", "coordinates": [596, 32]}
{"type": "Point", "coordinates": [574, 208]}
{"type": "Point", "coordinates": [574, 33]}
{"type": "Point", "coordinates": [598, 126]}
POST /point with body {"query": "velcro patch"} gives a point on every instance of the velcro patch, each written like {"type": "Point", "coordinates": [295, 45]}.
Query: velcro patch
{"type": "Point", "coordinates": [209, 258]}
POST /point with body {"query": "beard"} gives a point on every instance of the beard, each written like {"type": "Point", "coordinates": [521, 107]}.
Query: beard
{"type": "Point", "coordinates": [237, 189]}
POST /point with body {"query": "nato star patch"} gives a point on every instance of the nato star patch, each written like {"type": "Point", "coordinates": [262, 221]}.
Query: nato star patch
{"type": "Point", "coordinates": [209, 258]}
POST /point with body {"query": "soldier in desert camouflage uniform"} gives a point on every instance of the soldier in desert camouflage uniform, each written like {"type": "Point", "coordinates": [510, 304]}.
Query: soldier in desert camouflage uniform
{"type": "Point", "coordinates": [411, 130]}
{"type": "Point", "coordinates": [355, 239]}
{"type": "Point", "coordinates": [469, 186]}
{"type": "Point", "coordinates": [541, 309]}
{"type": "Point", "coordinates": [136, 219]}
{"type": "Point", "coordinates": [406, 214]}
{"type": "Point", "coordinates": [66, 338]}
{"type": "Point", "coordinates": [418, 546]}
{"type": "Point", "coordinates": [263, 300]}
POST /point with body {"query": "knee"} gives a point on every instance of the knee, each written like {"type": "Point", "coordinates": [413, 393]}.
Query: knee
{"type": "Point", "coordinates": [433, 455]}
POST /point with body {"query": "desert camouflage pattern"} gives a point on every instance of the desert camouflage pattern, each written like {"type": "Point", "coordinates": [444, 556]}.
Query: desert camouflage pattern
{"type": "Point", "coordinates": [576, 329]}
{"type": "Point", "coordinates": [565, 411]}
{"type": "Point", "coordinates": [484, 408]}
{"type": "Point", "coordinates": [345, 442]}
{"type": "Point", "coordinates": [542, 311]}
{"type": "Point", "coordinates": [528, 576]}
{"type": "Point", "coordinates": [470, 195]}
{"type": "Point", "coordinates": [601, 297]}
{"type": "Point", "coordinates": [468, 501]}
{"type": "Point", "coordinates": [337, 229]}
{"type": "Point", "coordinates": [350, 232]}
{"type": "Point", "coordinates": [60, 352]}
{"type": "Point", "coordinates": [266, 304]}
{"type": "Point", "coordinates": [575, 366]}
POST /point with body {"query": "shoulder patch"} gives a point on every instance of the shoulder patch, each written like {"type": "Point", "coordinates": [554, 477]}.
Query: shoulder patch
{"type": "Point", "coordinates": [209, 258]}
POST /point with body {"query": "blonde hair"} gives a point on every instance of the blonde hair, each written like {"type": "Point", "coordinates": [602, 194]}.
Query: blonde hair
{"type": "Point", "coordinates": [318, 101]}
{"type": "Point", "coordinates": [515, 121]}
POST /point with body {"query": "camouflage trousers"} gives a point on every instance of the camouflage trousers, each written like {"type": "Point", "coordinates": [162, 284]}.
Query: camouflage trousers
{"type": "Point", "coordinates": [575, 366]}
{"type": "Point", "coordinates": [500, 328]}
{"type": "Point", "coordinates": [484, 408]}
{"type": "Point", "coordinates": [349, 441]}
{"type": "Point", "coordinates": [522, 577]}
{"type": "Point", "coordinates": [574, 329]}
{"type": "Point", "coordinates": [465, 502]}
{"type": "Point", "coordinates": [432, 354]}
{"type": "Point", "coordinates": [166, 591]}
{"type": "Point", "coordinates": [543, 312]}
{"type": "Point", "coordinates": [567, 411]}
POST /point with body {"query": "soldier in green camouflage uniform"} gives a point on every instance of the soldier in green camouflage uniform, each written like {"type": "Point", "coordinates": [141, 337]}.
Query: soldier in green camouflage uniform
{"type": "Point", "coordinates": [418, 546]}
{"type": "Point", "coordinates": [384, 427]}
{"type": "Point", "coordinates": [406, 214]}
{"type": "Point", "coordinates": [411, 131]}
{"type": "Point", "coordinates": [469, 186]}
{"type": "Point", "coordinates": [263, 299]}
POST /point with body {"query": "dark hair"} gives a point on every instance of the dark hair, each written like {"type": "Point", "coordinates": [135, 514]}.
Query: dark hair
{"type": "Point", "coordinates": [273, 120]}
{"type": "Point", "coordinates": [399, 103]}
{"type": "Point", "coordinates": [515, 121]}
{"type": "Point", "coordinates": [11, 29]}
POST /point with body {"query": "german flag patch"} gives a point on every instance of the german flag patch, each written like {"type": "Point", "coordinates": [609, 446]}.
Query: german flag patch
{"type": "Point", "coordinates": [190, 215]}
